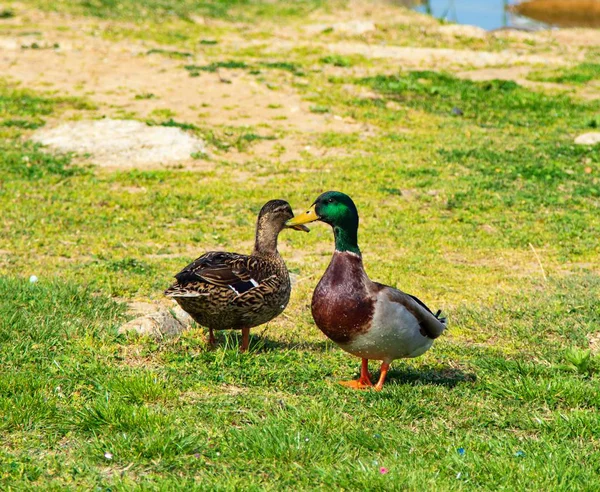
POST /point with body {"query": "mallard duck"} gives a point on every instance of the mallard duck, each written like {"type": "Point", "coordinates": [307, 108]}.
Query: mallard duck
{"type": "Point", "coordinates": [365, 318]}
{"type": "Point", "coordinates": [223, 290]}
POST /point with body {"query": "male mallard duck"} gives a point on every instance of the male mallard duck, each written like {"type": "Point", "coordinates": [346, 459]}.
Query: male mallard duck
{"type": "Point", "coordinates": [231, 291]}
{"type": "Point", "coordinates": [367, 319]}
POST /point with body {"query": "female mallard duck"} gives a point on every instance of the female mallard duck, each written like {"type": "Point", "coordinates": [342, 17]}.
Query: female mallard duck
{"type": "Point", "coordinates": [367, 319]}
{"type": "Point", "coordinates": [231, 291]}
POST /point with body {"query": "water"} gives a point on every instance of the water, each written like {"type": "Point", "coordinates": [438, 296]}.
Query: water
{"type": "Point", "coordinates": [488, 14]}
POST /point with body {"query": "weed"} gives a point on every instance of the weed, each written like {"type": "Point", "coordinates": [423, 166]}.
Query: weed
{"type": "Point", "coordinates": [184, 126]}
{"type": "Point", "coordinates": [213, 67]}
{"type": "Point", "coordinates": [25, 124]}
{"type": "Point", "coordinates": [147, 95]}
{"type": "Point", "coordinates": [290, 67]}
{"type": "Point", "coordinates": [170, 53]}
{"type": "Point", "coordinates": [580, 360]}
{"type": "Point", "coordinates": [319, 109]}
{"type": "Point", "coordinates": [337, 60]}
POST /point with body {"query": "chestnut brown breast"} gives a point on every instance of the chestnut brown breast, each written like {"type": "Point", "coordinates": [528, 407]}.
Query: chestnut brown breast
{"type": "Point", "coordinates": [342, 304]}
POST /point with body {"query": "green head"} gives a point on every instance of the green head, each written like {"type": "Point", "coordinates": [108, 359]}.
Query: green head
{"type": "Point", "coordinates": [338, 210]}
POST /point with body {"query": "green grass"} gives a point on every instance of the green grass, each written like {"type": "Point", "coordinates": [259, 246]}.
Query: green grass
{"type": "Point", "coordinates": [337, 60]}
{"type": "Point", "coordinates": [580, 74]}
{"type": "Point", "coordinates": [492, 103]}
{"type": "Point", "coordinates": [170, 53]}
{"type": "Point", "coordinates": [163, 10]}
{"type": "Point", "coordinates": [490, 214]}
{"type": "Point", "coordinates": [86, 407]}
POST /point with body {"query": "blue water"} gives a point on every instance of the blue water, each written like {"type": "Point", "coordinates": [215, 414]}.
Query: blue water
{"type": "Point", "coordinates": [488, 14]}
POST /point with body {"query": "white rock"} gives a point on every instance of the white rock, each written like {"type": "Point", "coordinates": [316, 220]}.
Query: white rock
{"type": "Point", "coordinates": [591, 138]}
{"type": "Point", "coordinates": [33, 279]}
{"type": "Point", "coordinates": [121, 143]}
{"type": "Point", "coordinates": [163, 323]}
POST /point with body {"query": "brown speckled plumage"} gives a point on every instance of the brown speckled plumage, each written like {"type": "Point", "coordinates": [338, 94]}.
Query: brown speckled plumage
{"type": "Point", "coordinates": [222, 290]}
{"type": "Point", "coordinates": [211, 290]}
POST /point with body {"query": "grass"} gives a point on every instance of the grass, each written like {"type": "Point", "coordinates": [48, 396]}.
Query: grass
{"type": "Point", "coordinates": [579, 74]}
{"type": "Point", "coordinates": [163, 10]}
{"type": "Point", "coordinates": [337, 60]}
{"type": "Point", "coordinates": [170, 53]}
{"type": "Point", "coordinates": [489, 213]}
{"type": "Point", "coordinates": [134, 411]}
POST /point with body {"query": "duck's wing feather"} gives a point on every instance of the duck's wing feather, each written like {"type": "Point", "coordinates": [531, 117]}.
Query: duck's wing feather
{"type": "Point", "coordinates": [431, 325]}
{"type": "Point", "coordinates": [229, 270]}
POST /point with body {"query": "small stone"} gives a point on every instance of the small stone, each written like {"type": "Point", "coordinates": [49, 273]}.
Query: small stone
{"type": "Point", "coordinates": [594, 340]}
{"type": "Point", "coordinates": [457, 112]}
{"type": "Point", "coordinates": [33, 279]}
{"type": "Point", "coordinates": [591, 138]}
{"type": "Point", "coordinates": [160, 323]}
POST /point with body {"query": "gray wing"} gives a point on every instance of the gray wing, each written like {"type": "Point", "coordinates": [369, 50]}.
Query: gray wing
{"type": "Point", "coordinates": [431, 325]}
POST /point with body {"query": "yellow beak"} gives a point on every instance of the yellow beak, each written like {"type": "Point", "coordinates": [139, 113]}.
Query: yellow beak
{"type": "Point", "coordinates": [309, 216]}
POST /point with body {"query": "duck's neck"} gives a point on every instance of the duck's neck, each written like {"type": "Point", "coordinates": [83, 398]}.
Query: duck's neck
{"type": "Point", "coordinates": [265, 242]}
{"type": "Point", "coordinates": [346, 239]}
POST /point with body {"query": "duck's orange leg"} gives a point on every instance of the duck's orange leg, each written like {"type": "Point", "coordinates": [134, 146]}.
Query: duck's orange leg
{"type": "Point", "coordinates": [245, 339]}
{"type": "Point", "coordinates": [364, 381]}
{"type": "Point", "coordinates": [384, 370]}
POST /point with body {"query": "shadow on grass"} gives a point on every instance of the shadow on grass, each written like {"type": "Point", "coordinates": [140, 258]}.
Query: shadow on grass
{"type": "Point", "coordinates": [437, 376]}
{"type": "Point", "coordinates": [260, 343]}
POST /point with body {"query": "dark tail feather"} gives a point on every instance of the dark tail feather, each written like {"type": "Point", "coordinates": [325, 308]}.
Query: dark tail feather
{"type": "Point", "coordinates": [437, 315]}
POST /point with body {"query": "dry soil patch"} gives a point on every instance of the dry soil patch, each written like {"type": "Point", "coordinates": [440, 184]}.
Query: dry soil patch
{"type": "Point", "coordinates": [112, 74]}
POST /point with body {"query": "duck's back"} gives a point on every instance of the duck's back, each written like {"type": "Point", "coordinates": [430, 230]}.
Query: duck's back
{"type": "Point", "coordinates": [229, 290]}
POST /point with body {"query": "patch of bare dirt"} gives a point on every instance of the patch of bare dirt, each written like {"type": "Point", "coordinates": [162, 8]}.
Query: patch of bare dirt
{"type": "Point", "coordinates": [67, 55]}
{"type": "Point", "coordinates": [577, 37]}
{"type": "Point", "coordinates": [112, 74]}
{"type": "Point", "coordinates": [594, 339]}
{"type": "Point", "coordinates": [516, 73]}
{"type": "Point", "coordinates": [378, 12]}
